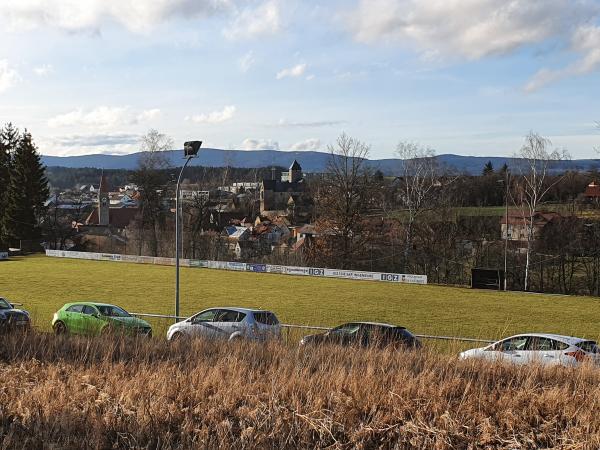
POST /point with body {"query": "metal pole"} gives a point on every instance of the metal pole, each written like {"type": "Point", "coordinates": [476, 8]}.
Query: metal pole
{"type": "Point", "coordinates": [178, 238]}
{"type": "Point", "coordinates": [506, 231]}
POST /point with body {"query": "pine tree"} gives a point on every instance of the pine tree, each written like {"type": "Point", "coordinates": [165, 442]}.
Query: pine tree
{"type": "Point", "coordinates": [9, 139]}
{"type": "Point", "coordinates": [27, 192]}
{"type": "Point", "coordinates": [488, 169]}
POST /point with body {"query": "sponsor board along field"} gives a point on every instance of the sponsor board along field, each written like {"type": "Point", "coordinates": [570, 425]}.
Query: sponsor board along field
{"type": "Point", "coordinates": [43, 284]}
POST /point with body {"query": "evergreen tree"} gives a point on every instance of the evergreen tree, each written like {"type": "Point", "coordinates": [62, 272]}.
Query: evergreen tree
{"type": "Point", "coordinates": [27, 192]}
{"type": "Point", "coordinates": [488, 169]}
{"type": "Point", "coordinates": [9, 139]}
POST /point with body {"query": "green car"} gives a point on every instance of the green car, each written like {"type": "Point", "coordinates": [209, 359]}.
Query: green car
{"type": "Point", "coordinates": [91, 318]}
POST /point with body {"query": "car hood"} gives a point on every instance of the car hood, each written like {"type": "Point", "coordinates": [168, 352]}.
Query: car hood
{"type": "Point", "coordinates": [472, 352]}
{"type": "Point", "coordinates": [314, 338]}
{"type": "Point", "coordinates": [130, 321]}
{"type": "Point", "coordinates": [13, 312]}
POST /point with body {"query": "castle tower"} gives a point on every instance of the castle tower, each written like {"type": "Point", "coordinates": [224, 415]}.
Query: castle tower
{"type": "Point", "coordinates": [103, 202]}
{"type": "Point", "coordinates": [295, 172]}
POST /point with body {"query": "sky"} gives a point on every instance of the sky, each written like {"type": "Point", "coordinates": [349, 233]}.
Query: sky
{"type": "Point", "coordinates": [469, 77]}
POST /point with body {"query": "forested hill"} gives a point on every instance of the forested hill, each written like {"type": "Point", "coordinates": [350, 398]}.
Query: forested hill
{"type": "Point", "coordinates": [309, 160]}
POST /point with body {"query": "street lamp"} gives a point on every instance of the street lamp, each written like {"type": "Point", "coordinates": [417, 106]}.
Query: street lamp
{"type": "Point", "coordinates": [190, 150]}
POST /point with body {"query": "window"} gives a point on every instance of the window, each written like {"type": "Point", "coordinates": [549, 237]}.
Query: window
{"type": "Point", "coordinates": [542, 344]}
{"type": "Point", "coordinates": [512, 344]}
{"type": "Point", "coordinates": [75, 308]}
{"type": "Point", "coordinates": [4, 304]}
{"type": "Point", "coordinates": [266, 318]}
{"type": "Point", "coordinates": [588, 346]}
{"type": "Point", "coordinates": [225, 315]}
{"type": "Point", "coordinates": [90, 310]}
{"type": "Point", "coordinates": [112, 311]}
{"type": "Point", "coordinates": [206, 316]}
{"type": "Point", "coordinates": [348, 328]}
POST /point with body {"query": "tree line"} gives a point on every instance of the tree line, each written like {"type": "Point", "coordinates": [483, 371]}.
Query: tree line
{"type": "Point", "coordinates": [23, 186]}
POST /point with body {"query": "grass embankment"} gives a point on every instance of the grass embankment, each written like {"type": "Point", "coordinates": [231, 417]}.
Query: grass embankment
{"type": "Point", "coordinates": [44, 284]}
{"type": "Point", "coordinates": [74, 393]}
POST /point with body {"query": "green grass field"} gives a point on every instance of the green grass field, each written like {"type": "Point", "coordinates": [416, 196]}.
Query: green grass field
{"type": "Point", "coordinates": [44, 284]}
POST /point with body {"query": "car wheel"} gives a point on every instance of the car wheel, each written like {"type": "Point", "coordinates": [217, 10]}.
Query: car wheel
{"type": "Point", "coordinates": [177, 336]}
{"type": "Point", "coordinates": [60, 328]}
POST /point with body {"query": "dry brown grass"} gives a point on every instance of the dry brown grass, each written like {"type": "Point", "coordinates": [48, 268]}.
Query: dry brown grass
{"type": "Point", "coordinates": [124, 393]}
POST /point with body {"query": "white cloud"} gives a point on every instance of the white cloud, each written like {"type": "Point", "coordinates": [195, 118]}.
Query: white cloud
{"type": "Point", "coordinates": [308, 144]}
{"type": "Point", "coordinates": [102, 117]}
{"type": "Point", "coordinates": [293, 72]}
{"type": "Point", "coordinates": [253, 22]}
{"type": "Point", "coordinates": [43, 70]}
{"type": "Point", "coordinates": [8, 76]}
{"type": "Point", "coordinates": [586, 42]}
{"type": "Point", "coordinates": [92, 15]}
{"type": "Point", "coordinates": [467, 28]}
{"type": "Point", "coordinates": [148, 114]}
{"type": "Point", "coordinates": [247, 61]}
{"type": "Point", "coordinates": [259, 144]}
{"type": "Point", "coordinates": [214, 117]}
{"type": "Point", "coordinates": [284, 123]}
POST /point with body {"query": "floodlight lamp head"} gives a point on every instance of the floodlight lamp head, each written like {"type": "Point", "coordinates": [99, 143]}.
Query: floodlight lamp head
{"type": "Point", "coordinates": [191, 148]}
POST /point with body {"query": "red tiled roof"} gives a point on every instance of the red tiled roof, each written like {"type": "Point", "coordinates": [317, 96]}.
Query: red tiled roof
{"type": "Point", "coordinates": [592, 190]}
{"type": "Point", "coordinates": [539, 218]}
{"type": "Point", "coordinates": [117, 217]}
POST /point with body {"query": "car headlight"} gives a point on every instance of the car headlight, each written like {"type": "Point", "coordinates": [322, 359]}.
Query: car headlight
{"type": "Point", "coordinates": [303, 341]}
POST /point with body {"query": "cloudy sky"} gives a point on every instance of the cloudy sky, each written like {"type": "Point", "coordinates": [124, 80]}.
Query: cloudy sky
{"type": "Point", "coordinates": [468, 77]}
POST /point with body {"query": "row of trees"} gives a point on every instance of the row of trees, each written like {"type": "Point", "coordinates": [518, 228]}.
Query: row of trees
{"type": "Point", "coordinates": [23, 186]}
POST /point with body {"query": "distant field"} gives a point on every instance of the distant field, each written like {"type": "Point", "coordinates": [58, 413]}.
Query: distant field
{"type": "Point", "coordinates": [44, 284]}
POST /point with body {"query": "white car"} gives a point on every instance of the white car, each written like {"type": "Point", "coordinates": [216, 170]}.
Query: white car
{"type": "Point", "coordinates": [228, 323]}
{"type": "Point", "coordinates": [547, 349]}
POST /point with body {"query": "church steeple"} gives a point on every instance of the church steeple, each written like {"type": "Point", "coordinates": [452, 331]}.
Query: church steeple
{"type": "Point", "coordinates": [295, 172]}
{"type": "Point", "coordinates": [103, 202]}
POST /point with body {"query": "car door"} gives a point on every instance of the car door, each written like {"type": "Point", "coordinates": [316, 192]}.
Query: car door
{"type": "Point", "coordinates": [544, 350]}
{"type": "Point", "coordinates": [225, 323]}
{"type": "Point", "coordinates": [90, 320]}
{"type": "Point", "coordinates": [72, 318]}
{"type": "Point", "coordinates": [202, 323]}
{"type": "Point", "coordinates": [509, 350]}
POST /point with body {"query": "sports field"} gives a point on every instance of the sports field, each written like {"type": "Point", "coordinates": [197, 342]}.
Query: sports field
{"type": "Point", "coordinates": [43, 284]}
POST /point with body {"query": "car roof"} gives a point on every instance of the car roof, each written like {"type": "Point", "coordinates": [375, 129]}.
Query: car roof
{"type": "Point", "coordinates": [89, 303]}
{"type": "Point", "coordinates": [377, 324]}
{"type": "Point", "coordinates": [235, 308]}
{"type": "Point", "coordinates": [558, 337]}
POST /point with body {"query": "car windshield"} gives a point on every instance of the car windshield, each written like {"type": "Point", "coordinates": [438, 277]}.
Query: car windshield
{"type": "Point", "coordinates": [347, 328]}
{"type": "Point", "coordinates": [4, 304]}
{"type": "Point", "coordinates": [112, 311]}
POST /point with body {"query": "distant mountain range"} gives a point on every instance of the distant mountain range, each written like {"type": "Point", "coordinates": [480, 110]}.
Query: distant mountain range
{"type": "Point", "coordinates": [309, 160]}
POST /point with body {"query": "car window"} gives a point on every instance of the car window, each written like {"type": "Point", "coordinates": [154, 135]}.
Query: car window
{"type": "Point", "coordinates": [266, 318]}
{"type": "Point", "coordinates": [206, 316]}
{"type": "Point", "coordinates": [112, 311]}
{"type": "Point", "coordinates": [511, 344]}
{"type": "Point", "coordinates": [75, 308]}
{"type": "Point", "coordinates": [543, 344]}
{"type": "Point", "coordinates": [588, 346]}
{"type": "Point", "coordinates": [226, 315]}
{"type": "Point", "coordinates": [90, 310]}
{"type": "Point", "coordinates": [4, 304]}
{"type": "Point", "coordinates": [347, 328]}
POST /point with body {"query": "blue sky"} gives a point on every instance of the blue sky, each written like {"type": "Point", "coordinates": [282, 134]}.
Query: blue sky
{"type": "Point", "coordinates": [469, 77]}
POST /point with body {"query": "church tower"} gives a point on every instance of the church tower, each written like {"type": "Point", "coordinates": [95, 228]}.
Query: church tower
{"type": "Point", "coordinates": [103, 202]}
{"type": "Point", "coordinates": [295, 172]}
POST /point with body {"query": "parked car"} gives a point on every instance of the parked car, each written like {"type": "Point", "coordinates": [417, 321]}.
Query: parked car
{"type": "Point", "coordinates": [547, 349]}
{"type": "Point", "coordinates": [92, 318]}
{"type": "Point", "coordinates": [365, 334]}
{"type": "Point", "coordinates": [228, 323]}
{"type": "Point", "coordinates": [12, 318]}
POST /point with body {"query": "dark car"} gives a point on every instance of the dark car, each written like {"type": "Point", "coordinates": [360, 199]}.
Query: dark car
{"type": "Point", "coordinates": [12, 318]}
{"type": "Point", "coordinates": [365, 334]}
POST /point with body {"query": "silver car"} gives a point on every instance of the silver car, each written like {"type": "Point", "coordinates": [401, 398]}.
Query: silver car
{"type": "Point", "coordinates": [228, 323]}
{"type": "Point", "coordinates": [547, 349]}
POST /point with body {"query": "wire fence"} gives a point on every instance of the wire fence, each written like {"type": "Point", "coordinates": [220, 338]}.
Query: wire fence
{"type": "Point", "coordinates": [288, 326]}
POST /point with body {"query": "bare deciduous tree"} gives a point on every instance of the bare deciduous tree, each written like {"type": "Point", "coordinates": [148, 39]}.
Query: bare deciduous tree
{"type": "Point", "coordinates": [419, 177]}
{"type": "Point", "coordinates": [151, 179]}
{"type": "Point", "coordinates": [534, 163]}
{"type": "Point", "coordinates": [346, 193]}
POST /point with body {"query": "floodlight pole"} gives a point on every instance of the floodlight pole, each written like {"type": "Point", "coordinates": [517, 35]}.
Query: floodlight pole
{"type": "Point", "coordinates": [190, 150]}
{"type": "Point", "coordinates": [506, 229]}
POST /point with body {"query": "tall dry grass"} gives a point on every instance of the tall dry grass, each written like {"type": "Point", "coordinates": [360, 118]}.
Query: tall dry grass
{"type": "Point", "coordinates": [134, 393]}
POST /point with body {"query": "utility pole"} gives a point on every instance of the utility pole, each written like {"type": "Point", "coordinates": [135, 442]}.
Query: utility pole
{"type": "Point", "coordinates": [506, 232]}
